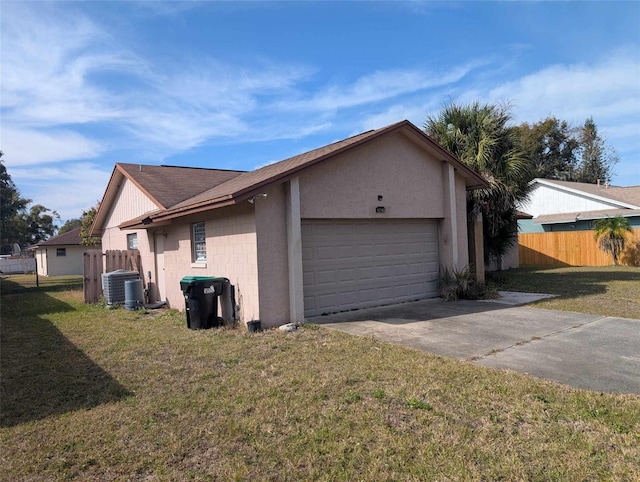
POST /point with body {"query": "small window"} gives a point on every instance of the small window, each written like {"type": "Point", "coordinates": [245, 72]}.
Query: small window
{"type": "Point", "coordinates": [199, 242]}
{"type": "Point", "coordinates": [61, 251]}
{"type": "Point", "coordinates": [132, 241]}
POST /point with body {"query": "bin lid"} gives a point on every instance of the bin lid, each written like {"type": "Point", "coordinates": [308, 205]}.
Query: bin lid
{"type": "Point", "coordinates": [195, 279]}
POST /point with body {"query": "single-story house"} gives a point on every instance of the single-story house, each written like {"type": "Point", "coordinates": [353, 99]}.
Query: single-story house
{"type": "Point", "coordinates": [60, 255]}
{"type": "Point", "coordinates": [560, 231]}
{"type": "Point", "coordinates": [365, 221]}
{"type": "Point", "coordinates": [574, 206]}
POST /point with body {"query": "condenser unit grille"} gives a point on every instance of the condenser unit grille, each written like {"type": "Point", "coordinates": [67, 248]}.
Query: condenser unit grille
{"type": "Point", "coordinates": [113, 285]}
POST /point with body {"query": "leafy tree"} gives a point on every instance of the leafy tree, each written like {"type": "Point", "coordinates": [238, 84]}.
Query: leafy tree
{"type": "Point", "coordinates": [38, 224]}
{"type": "Point", "coordinates": [611, 233]}
{"type": "Point", "coordinates": [552, 148]}
{"type": "Point", "coordinates": [11, 205]}
{"type": "Point", "coordinates": [18, 224]}
{"type": "Point", "coordinates": [556, 150]}
{"type": "Point", "coordinates": [70, 225]}
{"type": "Point", "coordinates": [596, 159]}
{"type": "Point", "coordinates": [481, 136]}
{"type": "Point", "coordinates": [87, 218]}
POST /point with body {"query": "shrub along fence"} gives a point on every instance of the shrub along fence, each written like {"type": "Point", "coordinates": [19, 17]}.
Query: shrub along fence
{"type": "Point", "coordinates": [94, 262]}
{"type": "Point", "coordinates": [573, 248]}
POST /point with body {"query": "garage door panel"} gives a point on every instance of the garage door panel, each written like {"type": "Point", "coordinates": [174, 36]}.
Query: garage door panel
{"type": "Point", "coordinates": [326, 277]}
{"type": "Point", "coordinates": [359, 263]}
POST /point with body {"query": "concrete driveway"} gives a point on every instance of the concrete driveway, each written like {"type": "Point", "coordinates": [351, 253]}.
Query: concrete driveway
{"type": "Point", "coordinates": [584, 351]}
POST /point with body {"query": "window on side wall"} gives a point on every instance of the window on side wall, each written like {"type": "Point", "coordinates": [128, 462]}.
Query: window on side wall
{"type": "Point", "coordinates": [61, 251]}
{"type": "Point", "coordinates": [132, 241]}
{"type": "Point", "coordinates": [199, 242]}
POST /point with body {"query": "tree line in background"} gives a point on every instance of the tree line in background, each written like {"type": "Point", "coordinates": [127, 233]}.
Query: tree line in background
{"type": "Point", "coordinates": [482, 136]}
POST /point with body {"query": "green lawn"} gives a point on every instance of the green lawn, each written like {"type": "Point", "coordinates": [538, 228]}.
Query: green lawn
{"type": "Point", "coordinates": [90, 393]}
{"type": "Point", "coordinates": [610, 291]}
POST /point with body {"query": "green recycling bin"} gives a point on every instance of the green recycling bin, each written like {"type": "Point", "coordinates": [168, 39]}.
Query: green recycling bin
{"type": "Point", "coordinates": [201, 301]}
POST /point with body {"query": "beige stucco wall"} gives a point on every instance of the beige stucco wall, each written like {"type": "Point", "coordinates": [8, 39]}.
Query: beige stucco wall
{"type": "Point", "coordinates": [272, 257]}
{"type": "Point", "coordinates": [49, 264]}
{"type": "Point", "coordinates": [394, 167]}
{"type": "Point", "coordinates": [231, 253]}
{"type": "Point", "coordinates": [461, 216]}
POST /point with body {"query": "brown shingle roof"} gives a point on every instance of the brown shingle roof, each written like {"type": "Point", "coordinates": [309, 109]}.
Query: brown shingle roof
{"type": "Point", "coordinates": [170, 185]}
{"type": "Point", "coordinates": [249, 182]}
{"type": "Point", "coordinates": [164, 185]}
{"type": "Point", "coordinates": [70, 238]}
{"type": "Point", "coordinates": [627, 195]}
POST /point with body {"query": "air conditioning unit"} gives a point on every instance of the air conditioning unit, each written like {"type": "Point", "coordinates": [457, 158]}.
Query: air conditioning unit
{"type": "Point", "coordinates": [113, 285]}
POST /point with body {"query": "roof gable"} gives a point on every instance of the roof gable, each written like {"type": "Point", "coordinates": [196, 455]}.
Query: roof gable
{"type": "Point", "coordinates": [159, 182]}
{"type": "Point", "coordinates": [164, 186]}
{"type": "Point", "coordinates": [249, 183]}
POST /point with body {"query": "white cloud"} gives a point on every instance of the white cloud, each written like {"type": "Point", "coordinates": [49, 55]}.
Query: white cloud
{"type": "Point", "coordinates": [376, 87]}
{"type": "Point", "coordinates": [77, 186]}
{"type": "Point", "coordinates": [26, 146]}
{"type": "Point", "coordinates": [622, 131]}
{"type": "Point", "coordinates": [55, 72]}
{"type": "Point", "coordinates": [604, 89]}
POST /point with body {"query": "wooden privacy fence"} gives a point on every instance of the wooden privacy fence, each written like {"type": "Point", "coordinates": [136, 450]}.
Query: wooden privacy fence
{"type": "Point", "coordinates": [94, 261]}
{"type": "Point", "coordinates": [573, 248]}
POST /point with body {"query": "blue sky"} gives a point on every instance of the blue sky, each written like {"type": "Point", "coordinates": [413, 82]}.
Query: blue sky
{"type": "Point", "coordinates": [238, 85]}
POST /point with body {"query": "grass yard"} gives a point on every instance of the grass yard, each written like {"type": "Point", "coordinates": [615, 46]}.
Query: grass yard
{"type": "Point", "coordinates": [610, 291]}
{"type": "Point", "coordinates": [90, 393]}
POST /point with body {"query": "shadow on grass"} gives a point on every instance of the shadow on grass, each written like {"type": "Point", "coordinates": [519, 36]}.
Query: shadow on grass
{"type": "Point", "coordinates": [22, 283]}
{"type": "Point", "coordinates": [43, 373]}
{"type": "Point", "coordinates": [566, 282]}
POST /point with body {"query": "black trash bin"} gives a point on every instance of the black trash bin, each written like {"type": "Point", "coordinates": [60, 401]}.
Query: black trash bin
{"type": "Point", "coordinates": [201, 301]}
{"type": "Point", "coordinates": [227, 300]}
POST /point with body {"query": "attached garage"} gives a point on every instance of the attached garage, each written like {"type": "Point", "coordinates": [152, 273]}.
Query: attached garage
{"type": "Point", "coordinates": [350, 264]}
{"type": "Point", "coordinates": [361, 222]}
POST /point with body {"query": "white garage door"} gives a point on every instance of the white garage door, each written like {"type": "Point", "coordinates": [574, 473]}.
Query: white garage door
{"type": "Point", "coordinates": [358, 263]}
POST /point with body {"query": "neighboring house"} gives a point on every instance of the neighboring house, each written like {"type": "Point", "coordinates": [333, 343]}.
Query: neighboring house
{"type": "Point", "coordinates": [573, 206]}
{"type": "Point", "coordinates": [60, 255]}
{"type": "Point", "coordinates": [561, 229]}
{"type": "Point", "coordinates": [365, 221]}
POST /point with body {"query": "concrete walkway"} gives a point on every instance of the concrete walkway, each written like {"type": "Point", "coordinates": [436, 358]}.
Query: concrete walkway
{"type": "Point", "coordinates": [580, 350]}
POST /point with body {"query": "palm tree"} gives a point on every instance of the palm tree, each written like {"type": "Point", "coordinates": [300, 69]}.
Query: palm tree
{"type": "Point", "coordinates": [611, 233]}
{"type": "Point", "coordinates": [481, 136]}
